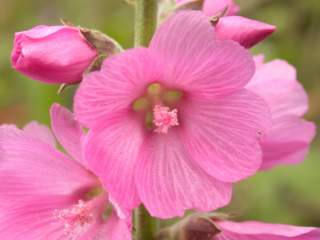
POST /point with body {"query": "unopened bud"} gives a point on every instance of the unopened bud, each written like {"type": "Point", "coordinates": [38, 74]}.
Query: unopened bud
{"type": "Point", "coordinates": [195, 227]}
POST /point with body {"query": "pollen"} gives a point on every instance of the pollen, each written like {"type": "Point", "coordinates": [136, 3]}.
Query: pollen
{"type": "Point", "coordinates": [74, 218]}
{"type": "Point", "coordinates": [163, 118]}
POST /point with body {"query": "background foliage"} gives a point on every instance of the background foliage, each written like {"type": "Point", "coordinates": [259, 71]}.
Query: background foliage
{"type": "Point", "coordinates": [289, 194]}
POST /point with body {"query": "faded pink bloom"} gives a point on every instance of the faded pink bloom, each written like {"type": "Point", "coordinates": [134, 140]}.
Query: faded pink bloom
{"type": "Point", "coordinates": [246, 31]}
{"type": "Point", "coordinates": [52, 54]}
{"type": "Point", "coordinates": [263, 231]}
{"type": "Point", "coordinates": [172, 125]}
{"type": "Point", "coordinates": [290, 137]}
{"type": "Point", "coordinates": [45, 194]}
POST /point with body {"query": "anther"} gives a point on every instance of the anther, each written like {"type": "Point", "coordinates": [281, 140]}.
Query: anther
{"type": "Point", "coordinates": [163, 118]}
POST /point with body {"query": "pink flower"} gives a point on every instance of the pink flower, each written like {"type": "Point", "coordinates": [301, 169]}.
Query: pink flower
{"type": "Point", "coordinates": [52, 54]}
{"type": "Point", "coordinates": [44, 193]}
{"type": "Point", "coordinates": [212, 7]}
{"type": "Point", "coordinates": [172, 125]}
{"type": "Point", "coordinates": [290, 136]}
{"type": "Point", "coordinates": [263, 231]}
{"type": "Point", "coordinates": [246, 31]}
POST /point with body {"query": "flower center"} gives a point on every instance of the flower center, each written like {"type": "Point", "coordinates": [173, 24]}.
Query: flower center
{"type": "Point", "coordinates": [75, 217]}
{"type": "Point", "coordinates": [157, 106]}
{"type": "Point", "coordinates": [163, 118]}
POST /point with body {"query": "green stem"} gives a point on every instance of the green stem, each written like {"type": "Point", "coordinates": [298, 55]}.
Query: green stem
{"type": "Point", "coordinates": [145, 21]}
{"type": "Point", "coordinates": [145, 226]}
{"type": "Point", "coordinates": [145, 25]}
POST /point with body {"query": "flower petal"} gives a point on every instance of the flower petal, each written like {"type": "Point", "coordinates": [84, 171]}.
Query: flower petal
{"type": "Point", "coordinates": [38, 54]}
{"type": "Point", "coordinates": [111, 152]}
{"type": "Point", "coordinates": [246, 31]}
{"type": "Point", "coordinates": [35, 179]}
{"type": "Point", "coordinates": [67, 130]}
{"type": "Point", "coordinates": [213, 7]}
{"type": "Point", "coordinates": [287, 95]}
{"type": "Point", "coordinates": [40, 131]}
{"type": "Point", "coordinates": [122, 78]}
{"type": "Point", "coordinates": [170, 182]}
{"type": "Point", "coordinates": [195, 62]}
{"type": "Point", "coordinates": [223, 136]}
{"type": "Point", "coordinates": [30, 167]}
{"type": "Point", "coordinates": [33, 219]}
{"type": "Point", "coordinates": [264, 231]}
{"type": "Point", "coordinates": [288, 142]}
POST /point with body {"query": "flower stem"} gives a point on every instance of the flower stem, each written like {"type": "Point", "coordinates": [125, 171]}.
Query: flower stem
{"type": "Point", "coordinates": [145, 21]}
{"type": "Point", "coordinates": [145, 25]}
{"type": "Point", "coordinates": [144, 224]}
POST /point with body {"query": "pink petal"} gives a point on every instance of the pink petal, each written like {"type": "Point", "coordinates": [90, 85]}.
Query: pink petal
{"type": "Point", "coordinates": [41, 132]}
{"type": "Point", "coordinates": [42, 31]}
{"type": "Point", "coordinates": [110, 228]}
{"type": "Point", "coordinates": [38, 54]}
{"type": "Point", "coordinates": [223, 136]}
{"type": "Point", "coordinates": [111, 152]}
{"type": "Point", "coordinates": [33, 219]}
{"type": "Point", "coordinates": [195, 62]}
{"type": "Point", "coordinates": [213, 7]}
{"type": "Point", "coordinates": [67, 130]}
{"type": "Point", "coordinates": [288, 142]}
{"type": "Point", "coordinates": [35, 179]}
{"type": "Point", "coordinates": [286, 96]}
{"type": "Point", "coordinates": [290, 137]}
{"type": "Point", "coordinates": [30, 167]}
{"type": "Point", "coordinates": [117, 229]}
{"type": "Point", "coordinates": [246, 31]}
{"type": "Point", "coordinates": [264, 231]}
{"type": "Point", "coordinates": [122, 79]}
{"type": "Point", "coordinates": [170, 182]}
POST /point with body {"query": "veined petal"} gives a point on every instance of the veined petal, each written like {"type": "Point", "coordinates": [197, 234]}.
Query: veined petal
{"type": "Point", "coordinates": [40, 131]}
{"type": "Point", "coordinates": [30, 168]}
{"type": "Point", "coordinates": [264, 231]}
{"type": "Point", "coordinates": [122, 79]}
{"type": "Point", "coordinates": [111, 152]}
{"type": "Point", "coordinates": [67, 130]}
{"type": "Point", "coordinates": [33, 219]}
{"type": "Point", "coordinates": [290, 137]}
{"type": "Point", "coordinates": [223, 136]}
{"type": "Point", "coordinates": [213, 7]}
{"type": "Point", "coordinates": [287, 95]}
{"type": "Point", "coordinates": [246, 31]}
{"type": "Point", "coordinates": [194, 61]}
{"type": "Point", "coordinates": [288, 142]}
{"type": "Point", "coordinates": [170, 182]}
{"type": "Point", "coordinates": [35, 179]}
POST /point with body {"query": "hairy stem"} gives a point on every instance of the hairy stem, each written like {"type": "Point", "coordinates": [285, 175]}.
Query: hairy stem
{"type": "Point", "coordinates": [145, 226]}
{"type": "Point", "coordinates": [145, 25]}
{"type": "Point", "coordinates": [145, 21]}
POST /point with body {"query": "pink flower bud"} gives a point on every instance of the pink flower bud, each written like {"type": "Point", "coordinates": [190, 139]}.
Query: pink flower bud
{"type": "Point", "coordinates": [52, 54]}
{"type": "Point", "coordinates": [246, 31]}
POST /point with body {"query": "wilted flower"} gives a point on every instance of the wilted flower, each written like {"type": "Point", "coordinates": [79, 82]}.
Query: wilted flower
{"type": "Point", "coordinates": [44, 194]}
{"type": "Point", "coordinates": [172, 125]}
{"type": "Point", "coordinates": [52, 54]}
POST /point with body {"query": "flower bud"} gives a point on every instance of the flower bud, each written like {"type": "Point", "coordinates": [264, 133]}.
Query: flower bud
{"type": "Point", "coordinates": [192, 227]}
{"type": "Point", "coordinates": [52, 54]}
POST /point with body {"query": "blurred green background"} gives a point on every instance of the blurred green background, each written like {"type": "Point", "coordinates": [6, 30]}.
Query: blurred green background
{"type": "Point", "coordinates": [289, 194]}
